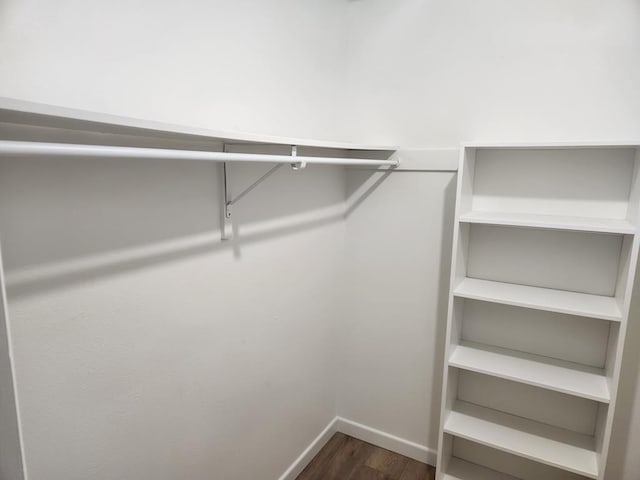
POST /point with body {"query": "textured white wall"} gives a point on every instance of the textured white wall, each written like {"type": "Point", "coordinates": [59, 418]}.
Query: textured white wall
{"type": "Point", "coordinates": [434, 72]}
{"type": "Point", "coordinates": [398, 259]}
{"type": "Point", "coordinates": [146, 348]}
{"type": "Point", "coordinates": [268, 67]}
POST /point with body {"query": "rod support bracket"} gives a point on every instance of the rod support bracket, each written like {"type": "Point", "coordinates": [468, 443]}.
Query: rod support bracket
{"type": "Point", "coordinates": [228, 200]}
{"type": "Point", "coordinates": [226, 227]}
{"type": "Point", "coordinates": [297, 165]}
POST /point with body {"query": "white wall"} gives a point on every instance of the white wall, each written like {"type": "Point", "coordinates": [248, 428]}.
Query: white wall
{"type": "Point", "coordinates": [434, 72]}
{"type": "Point", "coordinates": [148, 341]}
{"type": "Point", "coordinates": [243, 65]}
{"type": "Point", "coordinates": [398, 259]}
{"type": "Point", "coordinates": [407, 72]}
{"type": "Point", "coordinates": [146, 348]}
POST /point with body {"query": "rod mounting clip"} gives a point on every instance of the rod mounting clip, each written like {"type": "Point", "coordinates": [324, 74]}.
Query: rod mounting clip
{"type": "Point", "coordinates": [297, 165]}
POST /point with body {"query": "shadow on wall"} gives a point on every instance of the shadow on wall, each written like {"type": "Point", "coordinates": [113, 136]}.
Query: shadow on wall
{"type": "Point", "coordinates": [70, 221]}
{"type": "Point", "coordinates": [3, 12]}
{"type": "Point", "coordinates": [365, 185]}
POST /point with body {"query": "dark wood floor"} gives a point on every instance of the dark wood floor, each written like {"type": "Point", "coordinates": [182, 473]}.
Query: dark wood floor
{"type": "Point", "coordinates": [346, 458]}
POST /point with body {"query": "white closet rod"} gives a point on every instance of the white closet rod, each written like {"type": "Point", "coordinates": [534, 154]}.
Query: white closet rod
{"type": "Point", "coordinates": [104, 151]}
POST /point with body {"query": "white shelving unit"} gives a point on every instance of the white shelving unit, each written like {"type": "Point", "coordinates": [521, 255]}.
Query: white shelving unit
{"type": "Point", "coordinates": [544, 257]}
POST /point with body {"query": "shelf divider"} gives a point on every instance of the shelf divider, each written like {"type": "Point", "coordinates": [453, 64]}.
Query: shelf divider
{"type": "Point", "coordinates": [459, 469]}
{"type": "Point", "coordinates": [536, 441]}
{"type": "Point", "coordinates": [554, 222]}
{"type": "Point", "coordinates": [539, 371]}
{"type": "Point", "coordinates": [560, 301]}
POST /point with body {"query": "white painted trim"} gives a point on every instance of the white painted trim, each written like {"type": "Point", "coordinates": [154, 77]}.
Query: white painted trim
{"type": "Point", "coordinates": [555, 144]}
{"type": "Point", "coordinates": [427, 159]}
{"type": "Point", "coordinates": [311, 451]}
{"type": "Point", "coordinates": [422, 160]}
{"type": "Point", "coordinates": [362, 432]}
{"type": "Point", "coordinates": [405, 447]}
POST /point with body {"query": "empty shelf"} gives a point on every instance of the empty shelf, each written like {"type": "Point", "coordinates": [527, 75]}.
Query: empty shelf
{"type": "Point", "coordinates": [536, 441]}
{"type": "Point", "coordinates": [584, 224]}
{"type": "Point", "coordinates": [561, 301]}
{"type": "Point", "coordinates": [462, 470]}
{"type": "Point", "coordinates": [561, 376]}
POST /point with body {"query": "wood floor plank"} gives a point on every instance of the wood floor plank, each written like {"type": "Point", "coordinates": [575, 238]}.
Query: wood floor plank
{"type": "Point", "coordinates": [418, 471]}
{"type": "Point", "coordinates": [389, 463]}
{"type": "Point", "coordinates": [352, 454]}
{"type": "Point", "coordinates": [347, 458]}
{"type": "Point", "coordinates": [362, 472]}
{"type": "Point", "coordinates": [320, 463]}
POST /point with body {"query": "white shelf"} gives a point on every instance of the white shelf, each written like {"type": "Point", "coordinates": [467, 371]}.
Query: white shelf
{"type": "Point", "coordinates": [462, 470]}
{"type": "Point", "coordinates": [542, 443]}
{"type": "Point", "coordinates": [56, 116]}
{"type": "Point", "coordinates": [536, 370]}
{"type": "Point", "coordinates": [573, 303]}
{"type": "Point", "coordinates": [584, 224]}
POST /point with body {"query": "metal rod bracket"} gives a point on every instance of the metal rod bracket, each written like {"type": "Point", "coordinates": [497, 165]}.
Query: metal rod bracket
{"type": "Point", "coordinates": [229, 201]}
{"type": "Point", "coordinates": [227, 226]}
{"type": "Point", "coordinates": [297, 165]}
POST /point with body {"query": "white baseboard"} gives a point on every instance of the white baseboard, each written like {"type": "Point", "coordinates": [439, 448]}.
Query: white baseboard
{"type": "Point", "coordinates": [362, 432]}
{"type": "Point", "coordinates": [410, 449]}
{"type": "Point", "coordinates": [311, 451]}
